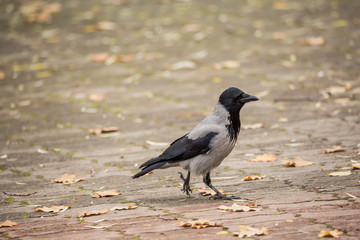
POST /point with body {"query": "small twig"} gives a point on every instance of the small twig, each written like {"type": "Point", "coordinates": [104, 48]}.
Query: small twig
{"type": "Point", "coordinates": [19, 194]}
{"type": "Point", "coordinates": [324, 171]}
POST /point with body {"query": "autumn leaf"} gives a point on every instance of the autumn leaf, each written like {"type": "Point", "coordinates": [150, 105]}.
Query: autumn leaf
{"type": "Point", "coordinates": [107, 193]}
{"type": "Point", "coordinates": [105, 25]}
{"type": "Point", "coordinates": [66, 178]}
{"type": "Point", "coordinates": [298, 163]}
{"type": "Point", "coordinates": [263, 158]}
{"type": "Point", "coordinates": [246, 231]}
{"type": "Point", "coordinates": [340, 174]}
{"type": "Point", "coordinates": [334, 149]}
{"type": "Point", "coordinates": [356, 165]}
{"type": "Point", "coordinates": [253, 177]}
{"type": "Point", "coordinates": [226, 65]}
{"type": "Point", "coordinates": [237, 208]}
{"type": "Point", "coordinates": [123, 207]}
{"type": "Point", "coordinates": [98, 131]}
{"type": "Point", "coordinates": [99, 57]}
{"type": "Point", "coordinates": [207, 192]}
{"type": "Point", "coordinates": [8, 223]}
{"type": "Point", "coordinates": [314, 41]}
{"type": "Point", "coordinates": [200, 223]}
{"type": "Point", "coordinates": [334, 233]}
{"type": "Point", "coordinates": [96, 97]}
{"type": "Point", "coordinates": [2, 75]}
{"type": "Point", "coordinates": [93, 213]}
{"type": "Point", "coordinates": [54, 209]}
{"type": "Point", "coordinates": [253, 126]}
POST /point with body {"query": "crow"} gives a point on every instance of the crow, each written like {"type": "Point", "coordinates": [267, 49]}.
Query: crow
{"type": "Point", "coordinates": [206, 146]}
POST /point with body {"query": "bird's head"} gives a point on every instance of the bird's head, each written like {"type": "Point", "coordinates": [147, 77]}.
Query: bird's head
{"type": "Point", "coordinates": [233, 98]}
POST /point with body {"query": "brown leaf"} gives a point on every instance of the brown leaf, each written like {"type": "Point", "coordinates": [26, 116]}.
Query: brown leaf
{"type": "Point", "coordinates": [123, 207]}
{"type": "Point", "coordinates": [207, 192]}
{"type": "Point", "coordinates": [93, 213]}
{"type": "Point", "coordinates": [237, 208]}
{"type": "Point", "coordinates": [54, 209]}
{"type": "Point", "coordinates": [229, 64]}
{"type": "Point", "coordinates": [107, 193]}
{"type": "Point", "coordinates": [8, 223]}
{"type": "Point", "coordinates": [253, 177]}
{"type": "Point", "coordinates": [314, 41]}
{"type": "Point", "coordinates": [99, 57]}
{"type": "Point", "coordinates": [97, 131]}
{"type": "Point", "coordinates": [253, 126]}
{"type": "Point", "coordinates": [2, 75]}
{"type": "Point", "coordinates": [334, 149]}
{"type": "Point", "coordinates": [298, 163]}
{"type": "Point", "coordinates": [334, 233]}
{"type": "Point", "coordinates": [246, 231]}
{"type": "Point", "coordinates": [201, 223]}
{"type": "Point", "coordinates": [66, 178]}
{"type": "Point", "coordinates": [97, 97]}
{"type": "Point", "coordinates": [356, 165]}
{"type": "Point", "coordinates": [263, 158]}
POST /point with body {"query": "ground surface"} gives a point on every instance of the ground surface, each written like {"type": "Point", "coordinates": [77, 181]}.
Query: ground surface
{"type": "Point", "coordinates": [157, 82]}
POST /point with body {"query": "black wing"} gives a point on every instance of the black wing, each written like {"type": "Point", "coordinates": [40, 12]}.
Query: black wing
{"type": "Point", "coordinates": [181, 149]}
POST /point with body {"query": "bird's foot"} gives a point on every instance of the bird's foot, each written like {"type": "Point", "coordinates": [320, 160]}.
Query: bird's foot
{"type": "Point", "coordinates": [186, 186]}
{"type": "Point", "coordinates": [223, 197]}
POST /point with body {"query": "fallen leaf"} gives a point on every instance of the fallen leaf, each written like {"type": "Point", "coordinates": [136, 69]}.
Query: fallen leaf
{"type": "Point", "coordinates": [336, 90]}
{"type": "Point", "coordinates": [66, 178]}
{"type": "Point", "coordinates": [183, 65]}
{"type": "Point", "coordinates": [99, 57]}
{"type": "Point", "coordinates": [107, 193]}
{"type": "Point", "coordinates": [263, 158]}
{"type": "Point", "coordinates": [207, 192]}
{"type": "Point", "coordinates": [105, 25]}
{"type": "Point", "coordinates": [246, 231]}
{"type": "Point", "coordinates": [54, 209]}
{"type": "Point", "coordinates": [123, 207]}
{"type": "Point", "coordinates": [314, 41]}
{"type": "Point", "coordinates": [190, 28]}
{"type": "Point", "coordinates": [2, 75]}
{"type": "Point", "coordinates": [298, 163]}
{"type": "Point", "coordinates": [160, 144]}
{"type": "Point", "coordinates": [237, 208]}
{"type": "Point", "coordinates": [334, 233]}
{"type": "Point", "coordinates": [279, 36]}
{"type": "Point", "coordinates": [98, 131]}
{"type": "Point", "coordinates": [253, 177]}
{"type": "Point", "coordinates": [93, 213]}
{"type": "Point", "coordinates": [334, 149]}
{"type": "Point", "coordinates": [8, 223]}
{"type": "Point", "coordinates": [201, 223]}
{"type": "Point", "coordinates": [340, 174]}
{"type": "Point", "coordinates": [97, 97]}
{"type": "Point", "coordinates": [253, 126]}
{"type": "Point", "coordinates": [229, 64]}
{"type": "Point", "coordinates": [356, 165]}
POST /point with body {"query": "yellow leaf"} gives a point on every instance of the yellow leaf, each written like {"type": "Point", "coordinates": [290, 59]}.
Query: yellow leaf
{"type": "Point", "coordinates": [334, 149]}
{"type": "Point", "coordinates": [246, 231]}
{"type": "Point", "coordinates": [200, 223]}
{"type": "Point", "coordinates": [334, 233]}
{"type": "Point", "coordinates": [340, 174]}
{"type": "Point", "coordinates": [207, 192]}
{"type": "Point", "coordinates": [222, 232]}
{"type": "Point", "coordinates": [253, 177]}
{"type": "Point", "coordinates": [356, 165]}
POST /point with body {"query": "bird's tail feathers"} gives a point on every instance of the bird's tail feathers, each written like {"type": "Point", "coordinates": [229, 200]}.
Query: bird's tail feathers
{"type": "Point", "coordinates": [149, 168]}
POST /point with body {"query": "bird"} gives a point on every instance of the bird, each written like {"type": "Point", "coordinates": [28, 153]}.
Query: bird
{"type": "Point", "coordinates": [207, 144]}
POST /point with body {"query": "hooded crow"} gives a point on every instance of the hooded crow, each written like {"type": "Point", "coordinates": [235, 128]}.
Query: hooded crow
{"type": "Point", "coordinates": [206, 146]}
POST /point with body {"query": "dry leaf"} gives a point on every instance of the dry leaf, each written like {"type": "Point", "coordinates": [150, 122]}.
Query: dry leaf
{"type": "Point", "coordinates": [93, 213]}
{"type": "Point", "coordinates": [107, 193]}
{"type": "Point", "coordinates": [334, 149]}
{"type": "Point", "coordinates": [298, 163]}
{"type": "Point", "coordinates": [2, 75]}
{"type": "Point", "coordinates": [96, 97]}
{"type": "Point", "coordinates": [253, 126]}
{"type": "Point", "coordinates": [263, 158]}
{"type": "Point", "coordinates": [105, 25]}
{"type": "Point", "coordinates": [8, 223]}
{"type": "Point", "coordinates": [334, 233]}
{"type": "Point", "coordinates": [246, 231]}
{"type": "Point", "coordinates": [336, 90]}
{"type": "Point", "coordinates": [237, 208]}
{"type": "Point", "coordinates": [356, 165]}
{"type": "Point", "coordinates": [340, 174]}
{"type": "Point", "coordinates": [207, 192]}
{"type": "Point", "coordinates": [54, 209]}
{"type": "Point", "coordinates": [66, 178]}
{"type": "Point", "coordinates": [314, 41]}
{"type": "Point", "coordinates": [226, 65]}
{"type": "Point", "coordinates": [99, 57]}
{"type": "Point", "coordinates": [201, 223]}
{"type": "Point", "coordinates": [123, 207]}
{"type": "Point", "coordinates": [98, 131]}
{"type": "Point", "coordinates": [253, 177]}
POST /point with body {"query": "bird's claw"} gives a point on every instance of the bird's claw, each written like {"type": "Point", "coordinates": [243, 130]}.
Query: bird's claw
{"type": "Point", "coordinates": [186, 187]}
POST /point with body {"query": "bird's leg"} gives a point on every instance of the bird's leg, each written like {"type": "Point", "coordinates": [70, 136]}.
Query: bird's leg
{"type": "Point", "coordinates": [186, 185]}
{"type": "Point", "coordinates": [221, 196]}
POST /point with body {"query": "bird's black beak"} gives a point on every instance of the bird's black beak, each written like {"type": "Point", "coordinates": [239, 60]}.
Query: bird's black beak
{"type": "Point", "coordinates": [248, 98]}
